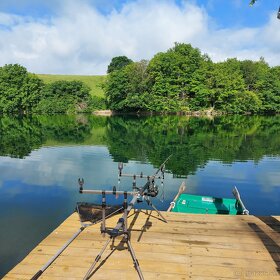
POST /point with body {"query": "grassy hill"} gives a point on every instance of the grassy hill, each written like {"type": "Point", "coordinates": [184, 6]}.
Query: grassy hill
{"type": "Point", "coordinates": [94, 82]}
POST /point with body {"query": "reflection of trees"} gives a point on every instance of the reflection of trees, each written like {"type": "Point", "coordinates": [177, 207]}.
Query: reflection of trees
{"type": "Point", "coordinates": [19, 136]}
{"type": "Point", "coordinates": [65, 129]}
{"type": "Point", "coordinates": [193, 141]}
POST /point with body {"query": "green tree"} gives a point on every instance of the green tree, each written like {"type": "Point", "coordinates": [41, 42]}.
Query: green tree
{"type": "Point", "coordinates": [203, 96]}
{"type": "Point", "coordinates": [228, 90]}
{"type": "Point", "coordinates": [116, 89]}
{"type": "Point", "coordinates": [136, 98]}
{"type": "Point", "coordinates": [254, 73]}
{"type": "Point", "coordinates": [270, 91]}
{"type": "Point", "coordinates": [118, 63]}
{"type": "Point", "coordinates": [170, 76]}
{"type": "Point", "coordinates": [64, 97]}
{"type": "Point", "coordinates": [182, 79]}
{"type": "Point", "coordinates": [126, 89]}
{"type": "Point", "coordinates": [19, 90]}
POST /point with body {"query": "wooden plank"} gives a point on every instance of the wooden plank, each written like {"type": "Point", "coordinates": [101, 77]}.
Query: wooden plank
{"type": "Point", "coordinates": [78, 249]}
{"type": "Point", "coordinates": [211, 229]}
{"type": "Point", "coordinates": [231, 253]}
{"type": "Point", "coordinates": [229, 261]}
{"type": "Point", "coordinates": [192, 247]}
{"type": "Point", "coordinates": [187, 234]}
{"type": "Point", "coordinates": [250, 272]}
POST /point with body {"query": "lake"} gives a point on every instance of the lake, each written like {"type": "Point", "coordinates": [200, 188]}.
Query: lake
{"type": "Point", "coordinates": [42, 157]}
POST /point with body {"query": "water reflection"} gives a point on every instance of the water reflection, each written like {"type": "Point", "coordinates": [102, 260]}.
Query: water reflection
{"type": "Point", "coordinates": [41, 158]}
{"type": "Point", "coordinates": [192, 141]}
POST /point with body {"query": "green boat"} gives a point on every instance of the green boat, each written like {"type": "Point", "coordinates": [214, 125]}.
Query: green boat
{"type": "Point", "coordinates": [198, 204]}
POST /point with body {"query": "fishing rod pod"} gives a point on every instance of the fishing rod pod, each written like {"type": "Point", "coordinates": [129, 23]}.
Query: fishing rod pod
{"type": "Point", "coordinates": [149, 190]}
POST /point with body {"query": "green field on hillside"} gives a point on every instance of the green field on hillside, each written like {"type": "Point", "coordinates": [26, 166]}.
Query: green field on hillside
{"type": "Point", "coordinates": [94, 82]}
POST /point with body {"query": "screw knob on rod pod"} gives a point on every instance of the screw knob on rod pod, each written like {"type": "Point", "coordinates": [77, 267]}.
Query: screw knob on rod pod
{"type": "Point", "coordinates": [120, 167]}
{"type": "Point", "coordinates": [81, 183]}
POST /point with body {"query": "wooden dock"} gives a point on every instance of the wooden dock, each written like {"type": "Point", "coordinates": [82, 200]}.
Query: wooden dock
{"type": "Point", "coordinates": [193, 247]}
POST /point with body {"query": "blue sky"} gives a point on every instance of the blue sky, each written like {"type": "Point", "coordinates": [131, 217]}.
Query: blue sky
{"type": "Point", "coordinates": [230, 13]}
{"type": "Point", "coordinates": [81, 36]}
{"type": "Point", "coordinates": [226, 13]}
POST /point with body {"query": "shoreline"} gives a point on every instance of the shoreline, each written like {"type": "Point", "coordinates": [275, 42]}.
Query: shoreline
{"type": "Point", "coordinates": [206, 113]}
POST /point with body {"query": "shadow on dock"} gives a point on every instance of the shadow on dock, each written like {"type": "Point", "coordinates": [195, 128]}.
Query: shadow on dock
{"type": "Point", "coordinates": [271, 222]}
{"type": "Point", "coordinates": [275, 253]}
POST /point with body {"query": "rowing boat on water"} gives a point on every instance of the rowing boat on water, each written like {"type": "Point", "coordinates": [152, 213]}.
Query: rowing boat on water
{"type": "Point", "coordinates": [199, 204]}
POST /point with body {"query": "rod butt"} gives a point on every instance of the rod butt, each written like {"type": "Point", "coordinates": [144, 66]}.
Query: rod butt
{"type": "Point", "coordinates": [37, 275]}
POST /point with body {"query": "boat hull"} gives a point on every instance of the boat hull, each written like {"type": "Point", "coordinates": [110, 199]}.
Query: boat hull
{"type": "Point", "coordinates": [196, 204]}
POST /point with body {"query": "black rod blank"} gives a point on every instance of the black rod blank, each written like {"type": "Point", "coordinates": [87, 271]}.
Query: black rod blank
{"type": "Point", "coordinates": [114, 192]}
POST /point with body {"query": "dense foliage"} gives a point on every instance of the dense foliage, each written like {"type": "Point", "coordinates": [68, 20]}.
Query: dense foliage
{"type": "Point", "coordinates": [23, 93]}
{"type": "Point", "coordinates": [63, 97]}
{"type": "Point", "coordinates": [20, 91]}
{"type": "Point", "coordinates": [182, 79]}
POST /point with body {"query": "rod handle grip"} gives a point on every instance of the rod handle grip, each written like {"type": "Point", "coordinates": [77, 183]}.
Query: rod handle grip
{"type": "Point", "coordinates": [37, 275]}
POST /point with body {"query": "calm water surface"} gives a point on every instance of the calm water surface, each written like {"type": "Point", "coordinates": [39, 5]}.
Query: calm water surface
{"type": "Point", "coordinates": [41, 159]}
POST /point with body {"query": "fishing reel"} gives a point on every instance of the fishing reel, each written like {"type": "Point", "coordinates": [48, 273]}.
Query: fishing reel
{"type": "Point", "coordinates": [152, 190]}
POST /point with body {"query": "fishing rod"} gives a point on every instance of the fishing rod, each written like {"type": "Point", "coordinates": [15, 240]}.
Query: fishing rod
{"type": "Point", "coordinates": [61, 250]}
{"type": "Point", "coordinates": [141, 175]}
{"type": "Point", "coordinates": [138, 195]}
{"type": "Point", "coordinates": [150, 185]}
{"type": "Point", "coordinates": [149, 190]}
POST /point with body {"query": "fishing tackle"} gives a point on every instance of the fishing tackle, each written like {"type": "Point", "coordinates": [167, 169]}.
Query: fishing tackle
{"type": "Point", "coordinates": [139, 194]}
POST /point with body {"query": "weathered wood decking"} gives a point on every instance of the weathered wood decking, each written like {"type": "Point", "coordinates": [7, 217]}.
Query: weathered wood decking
{"type": "Point", "coordinates": [207, 247]}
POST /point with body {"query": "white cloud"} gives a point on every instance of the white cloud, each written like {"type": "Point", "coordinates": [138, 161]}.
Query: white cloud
{"type": "Point", "coordinates": [8, 20]}
{"type": "Point", "coordinates": [82, 40]}
{"type": "Point", "coordinates": [246, 43]}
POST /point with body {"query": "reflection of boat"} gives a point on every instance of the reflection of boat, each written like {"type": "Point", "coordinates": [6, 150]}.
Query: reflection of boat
{"type": "Point", "coordinates": [198, 204]}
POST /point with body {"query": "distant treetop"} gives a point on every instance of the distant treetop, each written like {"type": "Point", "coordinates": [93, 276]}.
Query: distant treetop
{"type": "Point", "coordinates": [118, 63]}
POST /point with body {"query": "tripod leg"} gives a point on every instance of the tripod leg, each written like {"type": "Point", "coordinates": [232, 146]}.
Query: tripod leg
{"type": "Point", "coordinates": [150, 203]}
{"type": "Point", "coordinates": [135, 261]}
{"type": "Point", "coordinates": [98, 257]}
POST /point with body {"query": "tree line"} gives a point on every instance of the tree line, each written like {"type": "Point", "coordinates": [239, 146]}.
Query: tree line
{"type": "Point", "coordinates": [182, 79]}
{"type": "Point", "coordinates": [23, 93]}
